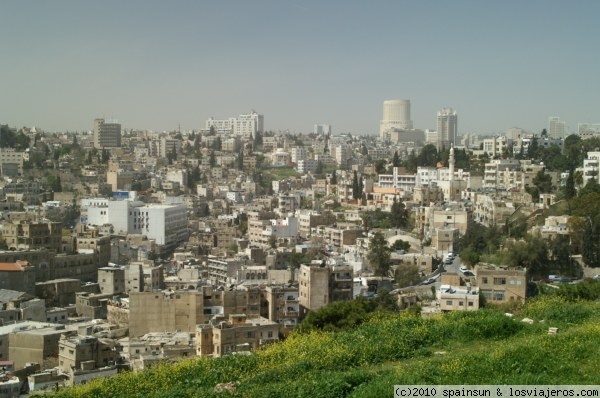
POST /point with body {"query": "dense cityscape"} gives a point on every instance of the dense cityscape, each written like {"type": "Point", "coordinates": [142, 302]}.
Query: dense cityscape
{"type": "Point", "coordinates": [299, 198]}
{"type": "Point", "coordinates": [124, 248]}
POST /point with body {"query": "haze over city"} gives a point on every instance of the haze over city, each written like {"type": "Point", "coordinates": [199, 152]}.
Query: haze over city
{"type": "Point", "coordinates": [156, 65]}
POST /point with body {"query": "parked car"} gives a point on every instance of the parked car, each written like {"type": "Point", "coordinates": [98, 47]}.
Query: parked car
{"type": "Point", "coordinates": [428, 281]}
{"type": "Point", "coordinates": [463, 269]}
{"type": "Point", "coordinates": [597, 277]}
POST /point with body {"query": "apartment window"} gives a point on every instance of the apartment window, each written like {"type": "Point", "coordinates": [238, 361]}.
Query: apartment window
{"type": "Point", "coordinates": [500, 281]}
{"type": "Point", "coordinates": [470, 303]}
{"type": "Point", "coordinates": [448, 302]}
{"type": "Point", "coordinates": [460, 303]}
{"type": "Point", "coordinates": [498, 296]}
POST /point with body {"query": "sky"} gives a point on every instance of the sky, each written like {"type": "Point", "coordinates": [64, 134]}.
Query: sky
{"type": "Point", "coordinates": [159, 65]}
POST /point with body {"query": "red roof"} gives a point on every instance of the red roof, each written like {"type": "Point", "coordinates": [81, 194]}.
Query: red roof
{"type": "Point", "coordinates": [15, 267]}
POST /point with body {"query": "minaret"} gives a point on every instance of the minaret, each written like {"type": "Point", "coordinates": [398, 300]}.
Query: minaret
{"type": "Point", "coordinates": [451, 163]}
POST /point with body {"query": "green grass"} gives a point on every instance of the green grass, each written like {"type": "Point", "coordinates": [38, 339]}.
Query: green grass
{"type": "Point", "coordinates": [484, 347]}
{"type": "Point", "coordinates": [279, 173]}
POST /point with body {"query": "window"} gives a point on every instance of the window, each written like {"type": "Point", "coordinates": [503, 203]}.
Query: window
{"type": "Point", "coordinates": [460, 303]}
{"type": "Point", "coordinates": [500, 281]}
{"type": "Point", "coordinates": [484, 279]}
{"type": "Point", "coordinates": [470, 303]}
{"type": "Point", "coordinates": [448, 302]}
{"type": "Point", "coordinates": [498, 296]}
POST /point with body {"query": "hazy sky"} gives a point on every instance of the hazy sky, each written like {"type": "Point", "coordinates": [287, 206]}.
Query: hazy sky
{"type": "Point", "coordinates": [157, 64]}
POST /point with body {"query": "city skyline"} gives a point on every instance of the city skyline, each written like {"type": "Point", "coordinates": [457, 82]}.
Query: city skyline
{"type": "Point", "coordinates": [153, 65]}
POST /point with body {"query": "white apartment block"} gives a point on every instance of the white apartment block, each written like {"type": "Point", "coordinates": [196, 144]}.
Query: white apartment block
{"type": "Point", "coordinates": [501, 174]}
{"type": "Point", "coordinates": [590, 167]}
{"type": "Point", "coordinates": [306, 166]}
{"type": "Point", "coordinates": [405, 182]}
{"type": "Point", "coordinates": [447, 126]}
{"type": "Point", "coordinates": [495, 146]}
{"type": "Point", "coordinates": [556, 127]}
{"type": "Point", "coordinates": [342, 154]}
{"type": "Point", "coordinates": [246, 125]}
{"type": "Point", "coordinates": [168, 145]}
{"type": "Point", "coordinates": [299, 153]}
{"type": "Point", "coordinates": [165, 224]}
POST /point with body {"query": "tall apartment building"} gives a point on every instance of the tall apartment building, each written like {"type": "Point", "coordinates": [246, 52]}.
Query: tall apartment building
{"type": "Point", "coordinates": [246, 125]}
{"type": "Point", "coordinates": [106, 135]}
{"type": "Point", "coordinates": [556, 127]}
{"type": "Point", "coordinates": [320, 285]}
{"type": "Point", "coordinates": [283, 304]}
{"type": "Point", "coordinates": [447, 127]}
{"type": "Point", "coordinates": [322, 129]}
{"type": "Point", "coordinates": [396, 115]}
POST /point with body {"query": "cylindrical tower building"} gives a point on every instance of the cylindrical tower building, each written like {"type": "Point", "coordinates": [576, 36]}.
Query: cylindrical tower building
{"type": "Point", "coordinates": [396, 115]}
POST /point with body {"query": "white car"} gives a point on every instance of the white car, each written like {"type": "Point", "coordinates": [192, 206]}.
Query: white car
{"type": "Point", "coordinates": [463, 269]}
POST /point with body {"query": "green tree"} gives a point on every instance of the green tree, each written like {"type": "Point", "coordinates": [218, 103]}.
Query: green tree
{"type": "Point", "coordinates": [380, 166]}
{"type": "Point", "coordinates": [379, 255]}
{"type": "Point", "coordinates": [543, 182]}
{"type": "Point", "coordinates": [411, 163]}
{"type": "Point", "coordinates": [396, 160]}
{"type": "Point", "coordinates": [355, 187]}
{"type": "Point", "coordinates": [406, 274]}
{"type": "Point", "coordinates": [570, 192]}
{"type": "Point", "coordinates": [399, 215]}
{"type": "Point", "coordinates": [319, 169]}
{"type": "Point", "coordinates": [213, 160]}
{"type": "Point", "coordinates": [240, 160]}
{"type": "Point", "coordinates": [400, 244]}
{"type": "Point", "coordinates": [428, 156]}
{"type": "Point", "coordinates": [334, 178]}
{"type": "Point", "coordinates": [532, 150]}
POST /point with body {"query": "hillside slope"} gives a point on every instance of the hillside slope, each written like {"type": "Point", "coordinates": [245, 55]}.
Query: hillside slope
{"type": "Point", "coordinates": [484, 347]}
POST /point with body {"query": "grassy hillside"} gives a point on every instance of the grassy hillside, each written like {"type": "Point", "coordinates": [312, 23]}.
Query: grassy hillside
{"type": "Point", "coordinates": [484, 347]}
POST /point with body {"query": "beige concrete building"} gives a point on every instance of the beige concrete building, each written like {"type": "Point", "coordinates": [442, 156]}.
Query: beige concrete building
{"type": "Point", "coordinates": [29, 235]}
{"type": "Point", "coordinates": [84, 358]}
{"type": "Point", "coordinates": [61, 292]}
{"type": "Point", "coordinates": [458, 298]}
{"type": "Point", "coordinates": [18, 275]}
{"type": "Point", "coordinates": [238, 333]}
{"type": "Point", "coordinates": [111, 279]}
{"type": "Point", "coordinates": [501, 284]}
{"type": "Point", "coordinates": [36, 345]}
{"type": "Point", "coordinates": [320, 285]}
{"type": "Point", "coordinates": [445, 240]}
{"type": "Point", "coordinates": [283, 305]}
{"type": "Point", "coordinates": [106, 135]}
{"type": "Point", "coordinates": [183, 310]}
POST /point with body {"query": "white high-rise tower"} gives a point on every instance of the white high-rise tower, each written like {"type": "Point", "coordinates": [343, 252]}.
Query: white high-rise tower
{"type": "Point", "coordinates": [447, 125]}
{"type": "Point", "coordinates": [396, 115]}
